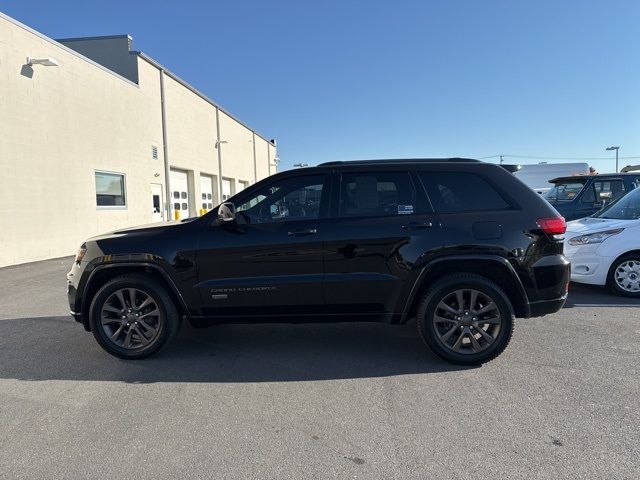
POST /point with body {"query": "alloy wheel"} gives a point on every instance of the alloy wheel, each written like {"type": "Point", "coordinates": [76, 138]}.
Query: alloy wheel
{"type": "Point", "coordinates": [467, 321]}
{"type": "Point", "coordinates": [131, 319]}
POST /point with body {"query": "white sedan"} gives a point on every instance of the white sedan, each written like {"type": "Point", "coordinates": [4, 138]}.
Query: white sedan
{"type": "Point", "coordinates": [605, 249]}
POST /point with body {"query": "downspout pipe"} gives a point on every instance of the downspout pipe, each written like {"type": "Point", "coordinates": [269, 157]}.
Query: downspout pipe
{"type": "Point", "coordinates": [165, 149]}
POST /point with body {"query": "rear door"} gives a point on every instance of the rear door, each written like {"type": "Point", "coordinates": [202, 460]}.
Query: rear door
{"type": "Point", "coordinates": [381, 226]}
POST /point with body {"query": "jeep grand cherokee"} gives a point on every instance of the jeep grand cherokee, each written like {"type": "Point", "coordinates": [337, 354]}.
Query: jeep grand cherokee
{"type": "Point", "coordinates": [460, 245]}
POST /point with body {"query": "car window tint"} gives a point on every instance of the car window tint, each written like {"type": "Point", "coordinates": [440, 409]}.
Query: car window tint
{"type": "Point", "coordinates": [376, 194]}
{"type": "Point", "coordinates": [296, 198]}
{"type": "Point", "coordinates": [461, 192]}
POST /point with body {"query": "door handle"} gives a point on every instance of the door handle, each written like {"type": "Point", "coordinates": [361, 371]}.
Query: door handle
{"type": "Point", "coordinates": [302, 233]}
{"type": "Point", "coordinates": [417, 225]}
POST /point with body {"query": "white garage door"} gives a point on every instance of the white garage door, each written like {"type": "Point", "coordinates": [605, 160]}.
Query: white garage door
{"type": "Point", "coordinates": [206, 193]}
{"type": "Point", "coordinates": [179, 194]}
{"type": "Point", "coordinates": [226, 189]}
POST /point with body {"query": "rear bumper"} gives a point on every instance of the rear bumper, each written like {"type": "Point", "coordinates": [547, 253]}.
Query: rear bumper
{"type": "Point", "coordinates": [551, 279]}
{"type": "Point", "coordinates": [545, 307]}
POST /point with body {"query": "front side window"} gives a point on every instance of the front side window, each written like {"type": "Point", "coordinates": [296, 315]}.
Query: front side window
{"type": "Point", "coordinates": [110, 191]}
{"type": "Point", "coordinates": [565, 191]}
{"type": "Point", "coordinates": [606, 190]}
{"type": "Point", "coordinates": [452, 192]}
{"type": "Point", "coordinates": [626, 208]}
{"type": "Point", "coordinates": [366, 194]}
{"type": "Point", "coordinates": [296, 198]}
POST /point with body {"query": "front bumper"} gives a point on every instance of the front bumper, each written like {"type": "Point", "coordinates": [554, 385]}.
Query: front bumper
{"type": "Point", "coordinates": [73, 296]}
{"type": "Point", "coordinates": [587, 266]}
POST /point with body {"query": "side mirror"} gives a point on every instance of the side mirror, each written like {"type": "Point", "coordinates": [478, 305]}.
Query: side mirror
{"type": "Point", "coordinates": [226, 213]}
{"type": "Point", "coordinates": [605, 195]}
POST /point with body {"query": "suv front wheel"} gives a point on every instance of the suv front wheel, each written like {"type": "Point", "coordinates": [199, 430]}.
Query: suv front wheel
{"type": "Point", "coordinates": [133, 316]}
{"type": "Point", "coordinates": [466, 319]}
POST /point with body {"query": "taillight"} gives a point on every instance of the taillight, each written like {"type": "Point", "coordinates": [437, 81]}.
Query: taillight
{"type": "Point", "coordinates": [553, 225]}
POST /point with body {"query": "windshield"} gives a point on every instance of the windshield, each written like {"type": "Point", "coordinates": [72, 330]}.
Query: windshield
{"type": "Point", "coordinates": [564, 191]}
{"type": "Point", "coordinates": [625, 208]}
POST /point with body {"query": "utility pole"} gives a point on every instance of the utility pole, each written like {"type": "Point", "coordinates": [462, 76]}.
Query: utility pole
{"type": "Point", "coordinates": [501, 160]}
{"type": "Point", "coordinates": [608, 149]}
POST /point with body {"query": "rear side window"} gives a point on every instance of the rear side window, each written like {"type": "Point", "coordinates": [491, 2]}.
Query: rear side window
{"type": "Point", "coordinates": [461, 192]}
{"type": "Point", "coordinates": [365, 194]}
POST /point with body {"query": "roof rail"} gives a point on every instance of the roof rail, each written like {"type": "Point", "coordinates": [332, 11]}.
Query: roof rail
{"type": "Point", "coordinates": [397, 160]}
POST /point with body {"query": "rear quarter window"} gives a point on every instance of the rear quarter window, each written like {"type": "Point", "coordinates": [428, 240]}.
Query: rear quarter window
{"type": "Point", "coordinates": [451, 192]}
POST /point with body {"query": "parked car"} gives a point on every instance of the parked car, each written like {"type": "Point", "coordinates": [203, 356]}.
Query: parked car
{"type": "Point", "coordinates": [582, 196]}
{"type": "Point", "coordinates": [459, 244]}
{"type": "Point", "coordinates": [605, 249]}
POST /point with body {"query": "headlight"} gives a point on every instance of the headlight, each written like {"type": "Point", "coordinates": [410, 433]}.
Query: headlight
{"type": "Point", "coordinates": [81, 253]}
{"type": "Point", "coordinates": [598, 237]}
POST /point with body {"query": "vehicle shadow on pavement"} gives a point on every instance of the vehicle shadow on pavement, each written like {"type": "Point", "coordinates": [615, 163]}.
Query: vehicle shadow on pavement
{"type": "Point", "coordinates": [56, 348]}
{"type": "Point", "coordinates": [581, 295]}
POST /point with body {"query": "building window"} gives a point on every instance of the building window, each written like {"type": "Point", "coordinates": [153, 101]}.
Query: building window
{"type": "Point", "coordinates": [154, 152]}
{"type": "Point", "coordinates": [110, 190]}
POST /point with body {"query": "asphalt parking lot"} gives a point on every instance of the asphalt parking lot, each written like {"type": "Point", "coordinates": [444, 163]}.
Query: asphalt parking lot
{"type": "Point", "coordinates": [315, 401]}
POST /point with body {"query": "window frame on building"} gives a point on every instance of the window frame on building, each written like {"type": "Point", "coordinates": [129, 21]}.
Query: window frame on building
{"type": "Point", "coordinates": [124, 190]}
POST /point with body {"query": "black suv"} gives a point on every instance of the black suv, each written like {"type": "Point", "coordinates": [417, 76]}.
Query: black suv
{"type": "Point", "coordinates": [460, 245]}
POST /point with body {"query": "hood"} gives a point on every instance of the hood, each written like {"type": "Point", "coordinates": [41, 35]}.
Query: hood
{"type": "Point", "coordinates": [593, 224]}
{"type": "Point", "coordinates": [151, 228]}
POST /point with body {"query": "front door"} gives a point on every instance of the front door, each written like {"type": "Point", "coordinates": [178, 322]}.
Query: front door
{"type": "Point", "coordinates": [156, 202]}
{"type": "Point", "coordinates": [598, 194]}
{"type": "Point", "coordinates": [270, 262]}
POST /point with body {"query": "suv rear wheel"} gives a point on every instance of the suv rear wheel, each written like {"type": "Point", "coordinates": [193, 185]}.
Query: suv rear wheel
{"type": "Point", "coordinates": [133, 316]}
{"type": "Point", "coordinates": [466, 319]}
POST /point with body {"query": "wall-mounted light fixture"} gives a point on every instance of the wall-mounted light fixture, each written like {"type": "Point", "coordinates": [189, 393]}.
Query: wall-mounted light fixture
{"type": "Point", "coordinates": [218, 142]}
{"type": "Point", "coordinates": [44, 61]}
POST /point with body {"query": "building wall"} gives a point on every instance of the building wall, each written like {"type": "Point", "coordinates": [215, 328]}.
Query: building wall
{"type": "Point", "coordinates": [111, 52]}
{"type": "Point", "coordinates": [61, 124]}
{"type": "Point", "coordinates": [239, 149]}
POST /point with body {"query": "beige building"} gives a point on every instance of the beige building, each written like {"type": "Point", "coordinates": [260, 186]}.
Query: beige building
{"type": "Point", "coordinates": [96, 137]}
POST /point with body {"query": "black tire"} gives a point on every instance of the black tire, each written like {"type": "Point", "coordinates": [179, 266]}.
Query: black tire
{"type": "Point", "coordinates": [444, 289]}
{"type": "Point", "coordinates": [167, 321]}
{"type": "Point", "coordinates": [611, 281]}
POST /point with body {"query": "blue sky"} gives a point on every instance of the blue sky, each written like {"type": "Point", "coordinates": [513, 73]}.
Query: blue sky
{"type": "Point", "coordinates": [335, 80]}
